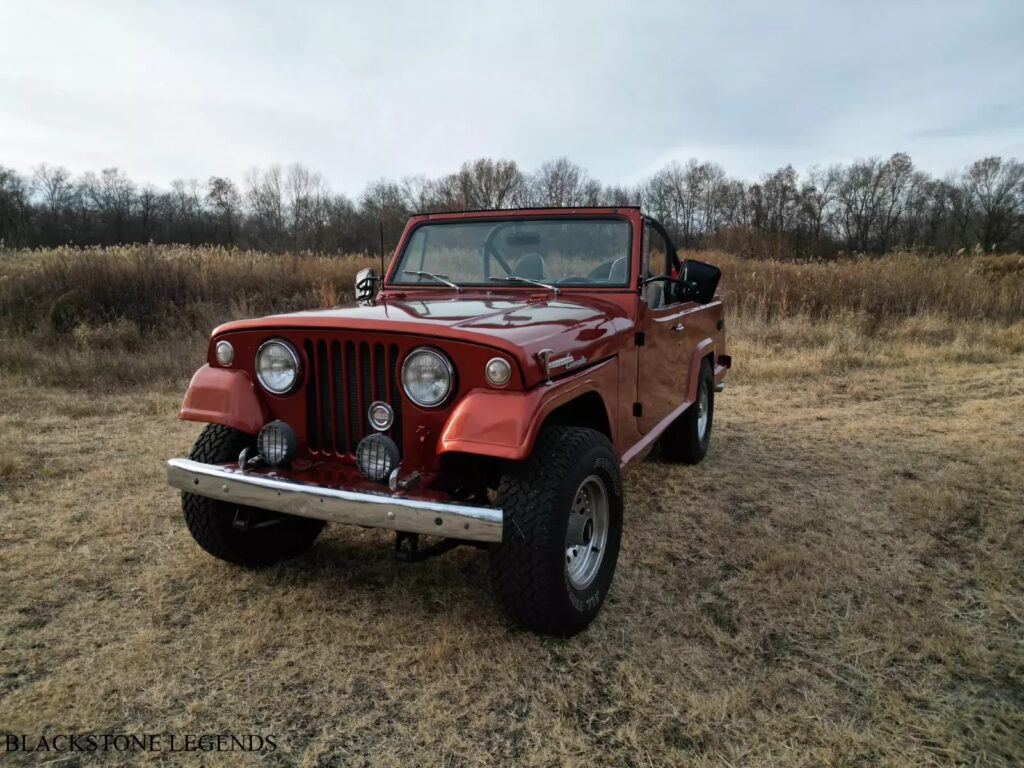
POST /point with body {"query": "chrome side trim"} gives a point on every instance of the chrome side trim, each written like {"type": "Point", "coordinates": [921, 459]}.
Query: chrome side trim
{"type": "Point", "coordinates": [372, 510]}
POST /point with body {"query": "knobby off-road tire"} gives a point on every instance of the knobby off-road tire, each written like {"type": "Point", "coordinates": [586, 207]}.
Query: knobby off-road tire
{"type": "Point", "coordinates": [537, 574]}
{"type": "Point", "coordinates": [688, 437]}
{"type": "Point", "coordinates": [271, 537]}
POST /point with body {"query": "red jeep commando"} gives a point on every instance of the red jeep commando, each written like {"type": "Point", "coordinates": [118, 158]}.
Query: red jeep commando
{"type": "Point", "coordinates": [487, 390]}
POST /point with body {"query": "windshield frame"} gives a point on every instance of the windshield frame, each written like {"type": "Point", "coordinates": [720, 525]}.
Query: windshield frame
{"type": "Point", "coordinates": [394, 271]}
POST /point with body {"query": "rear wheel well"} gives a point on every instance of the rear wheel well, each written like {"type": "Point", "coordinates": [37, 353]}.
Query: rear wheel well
{"type": "Point", "coordinates": [587, 410]}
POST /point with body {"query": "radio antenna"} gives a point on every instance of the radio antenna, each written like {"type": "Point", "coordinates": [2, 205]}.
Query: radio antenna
{"type": "Point", "coordinates": [380, 222]}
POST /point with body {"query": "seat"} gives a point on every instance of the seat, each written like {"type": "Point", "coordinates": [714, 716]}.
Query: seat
{"type": "Point", "coordinates": [654, 294]}
{"type": "Point", "coordinates": [530, 265]}
{"type": "Point", "coordinates": [617, 274]}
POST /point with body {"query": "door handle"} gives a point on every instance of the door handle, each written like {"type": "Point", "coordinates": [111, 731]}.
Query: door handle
{"type": "Point", "coordinates": [677, 327]}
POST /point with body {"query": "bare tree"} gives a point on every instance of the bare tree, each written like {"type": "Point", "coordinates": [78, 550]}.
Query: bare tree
{"type": "Point", "coordinates": [111, 195]}
{"type": "Point", "coordinates": [265, 195]}
{"type": "Point", "coordinates": [225, 201]}
{"type": "Point", "coordinates": [15, 210]}
{"type": "Point", "coordinates": [57, 191]}
{"type": "Point", "coordinates": [486, 184]}
{"type": "Point", "coordinates": [870, 205]}
{"type": "Point", "coordinates": [996, 189]}
{"type": "Point", "coordinates": [561, 183]}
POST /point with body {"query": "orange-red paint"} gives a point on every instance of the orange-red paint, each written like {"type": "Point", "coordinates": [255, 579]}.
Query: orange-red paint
{"type": "Point", "coordinates": [223, 396]}
{"type": "Point", "coordinates": [504, 424]}
{"type": "Point", "coordinates": [598, 323]}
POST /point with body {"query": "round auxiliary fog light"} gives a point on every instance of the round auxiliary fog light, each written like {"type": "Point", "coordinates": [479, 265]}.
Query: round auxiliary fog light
{"type": "Point", "coordinates": [225, 353]}
{"type": "Point", "coordinates": [277, 443]}
{"type": "Point", "coordinates": [381, 416]}
{"type": "Point", "coordinates": [498, 371]}
{"type": "Point", "coordinates": [376, 456]}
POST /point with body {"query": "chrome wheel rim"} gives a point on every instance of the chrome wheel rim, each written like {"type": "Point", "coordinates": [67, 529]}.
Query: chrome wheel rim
{"type": "Point", "coordinates": [587, 533]}
{"type": "Point", "coordinates": [702, 411]}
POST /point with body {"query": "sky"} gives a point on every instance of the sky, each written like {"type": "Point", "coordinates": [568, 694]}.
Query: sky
{"type": "Point", "coordinates": [360, 91]}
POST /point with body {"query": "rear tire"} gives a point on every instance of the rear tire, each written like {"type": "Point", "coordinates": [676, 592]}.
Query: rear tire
{"type": "Point", "coordinates": [687, 439]}
{"type": "Point", "coordinates": [269, 537]}
{"type": "Point", "coordinates": [563, 526]}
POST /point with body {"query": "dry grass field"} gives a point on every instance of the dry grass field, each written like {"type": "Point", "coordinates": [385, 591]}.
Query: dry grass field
{"type": "Point", "coordinates": [840, 582]}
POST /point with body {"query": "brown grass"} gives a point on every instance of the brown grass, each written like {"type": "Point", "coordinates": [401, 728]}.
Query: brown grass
{"type": "Point", "coordinates": [839, 583]}
{"type": "Point", "coordinates": [900, 285]}
{"type": "Point", "coordinates": [131, 315]}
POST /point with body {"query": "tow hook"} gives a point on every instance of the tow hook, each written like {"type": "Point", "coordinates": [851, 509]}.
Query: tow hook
{"type": "Point", "coordinates": [244, 462]}
{"type": "Point", "coordinates": [405, 483]}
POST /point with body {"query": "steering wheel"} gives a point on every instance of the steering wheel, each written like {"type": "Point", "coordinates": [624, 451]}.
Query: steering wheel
{"type": "Point", "coordinates": [574, 279]}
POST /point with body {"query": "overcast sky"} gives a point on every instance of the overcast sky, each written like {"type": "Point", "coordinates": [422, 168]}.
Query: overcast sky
{"type": "Point", "coordinates": [362, 90]}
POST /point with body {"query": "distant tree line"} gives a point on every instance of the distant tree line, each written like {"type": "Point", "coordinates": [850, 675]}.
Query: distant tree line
{"type": "Point", "coordinates": [869, 206]}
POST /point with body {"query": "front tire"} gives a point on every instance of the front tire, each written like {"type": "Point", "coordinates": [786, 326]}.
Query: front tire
{"type": "Point", "coordinates": [563, 526]}
{"type": "Point", "coordinates": [687, 438]}
{"type": "Point", "coordinates": [235, 533]}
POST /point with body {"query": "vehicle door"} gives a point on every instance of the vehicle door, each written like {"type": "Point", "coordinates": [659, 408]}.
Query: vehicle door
{"type": "Point", "coordinates": [661, 357]}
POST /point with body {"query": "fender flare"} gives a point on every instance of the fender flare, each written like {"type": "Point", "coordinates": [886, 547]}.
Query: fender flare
{"type": "Point", "coordinates": [505, 424]}
{"type": "Point", "coordinates": [702, 350]}
{"type": "Point", "coordinates": [222, 396]}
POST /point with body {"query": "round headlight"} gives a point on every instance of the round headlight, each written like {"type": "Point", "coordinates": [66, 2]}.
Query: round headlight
{"type": "Point", "coordinates": [277, 366]}
{"type": "Point", "coordinates": [498, 371]}
{"type": "Point", "coordinates": [427, 377]}
{"type": "Point", "coordinates": [225, 352]}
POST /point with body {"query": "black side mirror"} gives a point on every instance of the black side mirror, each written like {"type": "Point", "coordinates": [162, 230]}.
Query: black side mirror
{"type": "Point", "coordinates": [698, 281]}
{"type": "Point", "coordinates": [366, 284]}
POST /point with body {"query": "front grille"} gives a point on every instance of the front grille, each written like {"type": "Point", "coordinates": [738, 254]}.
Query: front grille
{"type": "Point", "coordinates": [344, 377]}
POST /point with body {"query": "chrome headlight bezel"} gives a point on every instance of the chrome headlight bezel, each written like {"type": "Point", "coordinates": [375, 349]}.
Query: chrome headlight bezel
{"type": "Point", "coordinates": [224, 352]}
{"type": "Point", "coordinates": [446, 365]}
{"type": "Point", "coordinates": [293, 353]}
{"type": "Point", "coordinates": [502, 381]}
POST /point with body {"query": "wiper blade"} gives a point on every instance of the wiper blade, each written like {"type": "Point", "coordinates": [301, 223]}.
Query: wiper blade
{"type": "Point", "coordinates": [439, 278]}
{"type": "Point", "coordinates": [512, 278]}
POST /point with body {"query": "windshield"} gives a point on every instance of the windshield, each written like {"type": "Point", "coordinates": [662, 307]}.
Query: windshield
{"type": "Point", "coordinates": [557, 252]}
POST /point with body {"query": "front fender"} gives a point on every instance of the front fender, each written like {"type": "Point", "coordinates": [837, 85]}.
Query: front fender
{"type": "Point", "coordinates": [505, 424]}
{"type": "Point", "coordinates": [222, 396]}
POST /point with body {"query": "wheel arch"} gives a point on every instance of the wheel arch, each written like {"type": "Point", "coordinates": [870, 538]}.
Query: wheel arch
{"type": "Point", "coordinates": [585, 410]}
{"type": "Point", "coordinates": [704, 350]}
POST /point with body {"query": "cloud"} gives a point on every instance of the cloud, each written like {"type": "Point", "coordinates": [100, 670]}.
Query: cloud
{"type": "Point", "coordinates": [358, 91]}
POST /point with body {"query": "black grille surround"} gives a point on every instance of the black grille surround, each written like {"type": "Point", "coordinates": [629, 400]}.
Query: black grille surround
{"type": "Point", "coordinates": [343, 377]}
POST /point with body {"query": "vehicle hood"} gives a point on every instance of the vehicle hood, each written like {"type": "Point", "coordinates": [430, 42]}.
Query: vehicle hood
{"type": "Point", "coordinates": [583, 326]}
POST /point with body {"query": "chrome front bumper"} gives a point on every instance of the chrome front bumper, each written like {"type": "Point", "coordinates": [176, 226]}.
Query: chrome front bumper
{"type": "Point", "coordinates": [373, 510]}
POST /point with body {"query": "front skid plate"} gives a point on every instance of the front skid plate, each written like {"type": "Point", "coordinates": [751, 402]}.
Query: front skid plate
{"type": "Point", "coordinates": [373, 510]}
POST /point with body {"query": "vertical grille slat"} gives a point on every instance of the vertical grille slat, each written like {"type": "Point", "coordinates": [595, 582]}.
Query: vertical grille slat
{"type": "Point", "coordinates": [352, 394]}
{"type": "Point", "coordinates": [324, 371]}
{"type": "Point", "coordinates": [379, 373]}
{"type": "Point", "coordinates": [396, 394]}
{"type": "Point", "coordinates": [312, 433]}
{"type": "Point", "coordinates": [364, 386]}
{"type": "Point", "coordinates": [338, 388]}
{"type": "Point", "coordinates": [344, 376]}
